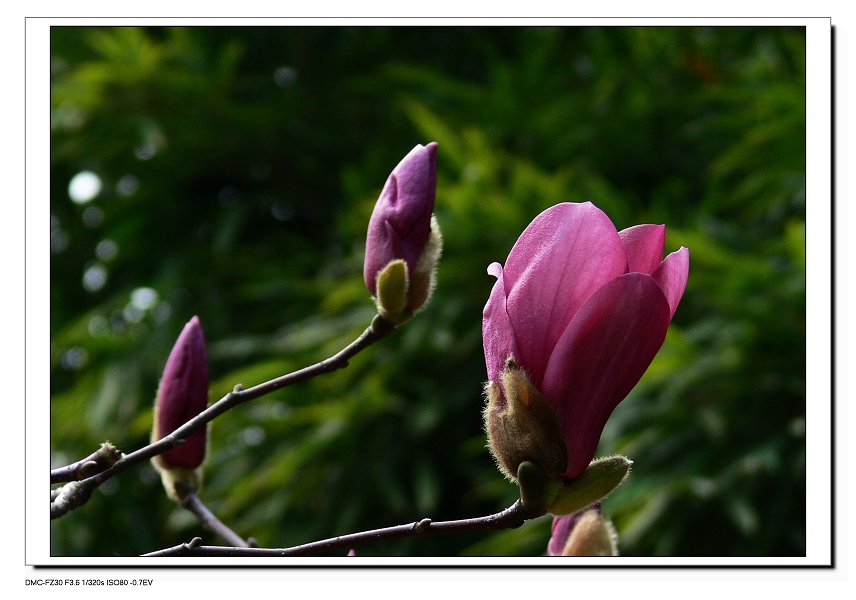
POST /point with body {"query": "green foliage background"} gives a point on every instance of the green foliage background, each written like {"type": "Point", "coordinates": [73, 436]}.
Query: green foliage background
{"type": "Point", "coordinates": [239, 170]}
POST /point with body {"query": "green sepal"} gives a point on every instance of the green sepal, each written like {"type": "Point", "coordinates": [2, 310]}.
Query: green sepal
{"type": "Point", "coordinates": [392, 292]}
{"type": "Point", "coordinates": [596, 483]}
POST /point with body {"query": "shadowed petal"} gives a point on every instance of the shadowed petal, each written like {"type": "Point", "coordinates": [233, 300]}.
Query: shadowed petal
{"type": "Point", "coordinates": [600, 357]}
{"type": "Point", "coordinates": [643, 245]}
{"type": "Point", "coordinates": [560, 260]}
{"type": "Point", "coordinates": [672, 276]}
{"type": "Point", "coordinates": [497, 332]}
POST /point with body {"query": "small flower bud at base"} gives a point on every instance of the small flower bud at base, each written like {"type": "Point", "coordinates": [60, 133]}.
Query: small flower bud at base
{"type": "Point", "coordinates": [586, 533]}
{"type": "Point", "coordinates": [592, 536]}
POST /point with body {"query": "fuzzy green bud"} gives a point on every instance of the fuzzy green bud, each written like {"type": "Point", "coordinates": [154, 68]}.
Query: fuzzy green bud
{"type": "Point", "coordinates": [522, 425]}
{"type": "Point", "coordinates": [392, 292]}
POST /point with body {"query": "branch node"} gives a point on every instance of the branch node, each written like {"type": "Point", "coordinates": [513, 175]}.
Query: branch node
{"type": "Point", "coordinates": [87, 469]}
{"type": "Point", "coordinates": [381, 327]}
{"type": "Point", "coordinates": [422, 526]}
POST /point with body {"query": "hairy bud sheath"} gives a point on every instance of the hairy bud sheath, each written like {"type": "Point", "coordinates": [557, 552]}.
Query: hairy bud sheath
{"type": "Point", "coordinates": [403, 232]}
{"type": "Point", "coordinates": [522, 425]}
{"type": "Point", "coordinates": [182, 394]}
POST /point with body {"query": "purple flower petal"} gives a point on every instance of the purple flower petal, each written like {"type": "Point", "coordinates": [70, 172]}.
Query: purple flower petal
{"type": "Point", "coordinates": [601, 355]}
{"type": "Point", "coordinates": [643, 245]}
{"type": "Point", "coordinates": [559, 261]}
{"type": "Point", "coordinates": [672, 276]}
{"type": "Point", "coordinates": [497, 331]}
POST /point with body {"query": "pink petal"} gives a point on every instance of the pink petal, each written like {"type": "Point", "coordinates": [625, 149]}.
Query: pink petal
{"type": "Point", "coordinates": [643, 245]}
{"type": "Point", "coordinates": [566, 254]}
{"type": "Point", "coordinates": [497, 332]}
{"type": "Point", "coordinates": [672, 276]}
{"type": "Point", "coordinates": [600, 357]}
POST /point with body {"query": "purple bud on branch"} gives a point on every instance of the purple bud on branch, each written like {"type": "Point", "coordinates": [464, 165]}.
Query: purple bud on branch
{"type": "Point", "coordinates": [182, 394]}
{"type": "Point", "coordinates": [403, 242]}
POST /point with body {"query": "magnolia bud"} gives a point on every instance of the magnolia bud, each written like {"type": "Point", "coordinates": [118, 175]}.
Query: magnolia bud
{"type": "Point", "coordinates": [403, 229]}
{"type": "Point", "coordinates": [182, 394]}
{"type": "Point", "coordinates": [522, 425]}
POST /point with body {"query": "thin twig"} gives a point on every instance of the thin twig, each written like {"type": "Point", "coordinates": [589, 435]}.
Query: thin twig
{"type": "Point", "coordinates": [209, 521]}
{"type": "Point", "coordinates": [378, 329]}
{"type": "Point", "coordinates": [510, 518]}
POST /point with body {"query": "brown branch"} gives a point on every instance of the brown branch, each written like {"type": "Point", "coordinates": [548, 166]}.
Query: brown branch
{"type": "Point", "coordinates": [510, 518]}
{"type": "Point", "coordinates": [209, 521]}
{"type": "Point", "coordinates": [378, 329]}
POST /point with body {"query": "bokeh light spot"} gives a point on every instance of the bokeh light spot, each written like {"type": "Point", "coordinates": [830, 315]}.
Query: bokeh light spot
{"type": "Point", "coordinates": [284, 76]}
{"type": "Point", "coordinates": [127, 186]}
{"type": "Point", "coordinates": [94, 278]}
{"type": "Point", "coordinates": [84, 187]}
{"type": "Point", "coordinates": [106, 250]}
{"type": "Point", "coordinates": [73, 358]}
{"type": "Point", "coordinates": [144, 298]}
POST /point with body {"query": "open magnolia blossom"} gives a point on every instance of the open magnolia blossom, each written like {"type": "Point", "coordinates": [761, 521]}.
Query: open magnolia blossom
{"type": "Point", "coordinates": [403, 242]}
{"type": "Point", "coordinates": [182, 394]}
{"type": "Point", "coordinates": [574, 319]}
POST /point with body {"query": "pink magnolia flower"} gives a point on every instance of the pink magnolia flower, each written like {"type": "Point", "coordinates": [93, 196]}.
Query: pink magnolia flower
{"type": "Point", "coordinates": [402, 228]}
{"type": "Point", "coordinates": [583, 310]}
{"type": "Point", "coordinates": [183, 394]}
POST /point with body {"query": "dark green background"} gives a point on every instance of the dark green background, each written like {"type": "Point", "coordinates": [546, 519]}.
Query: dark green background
{"type": "Point", "coordinates": [255, 156]}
